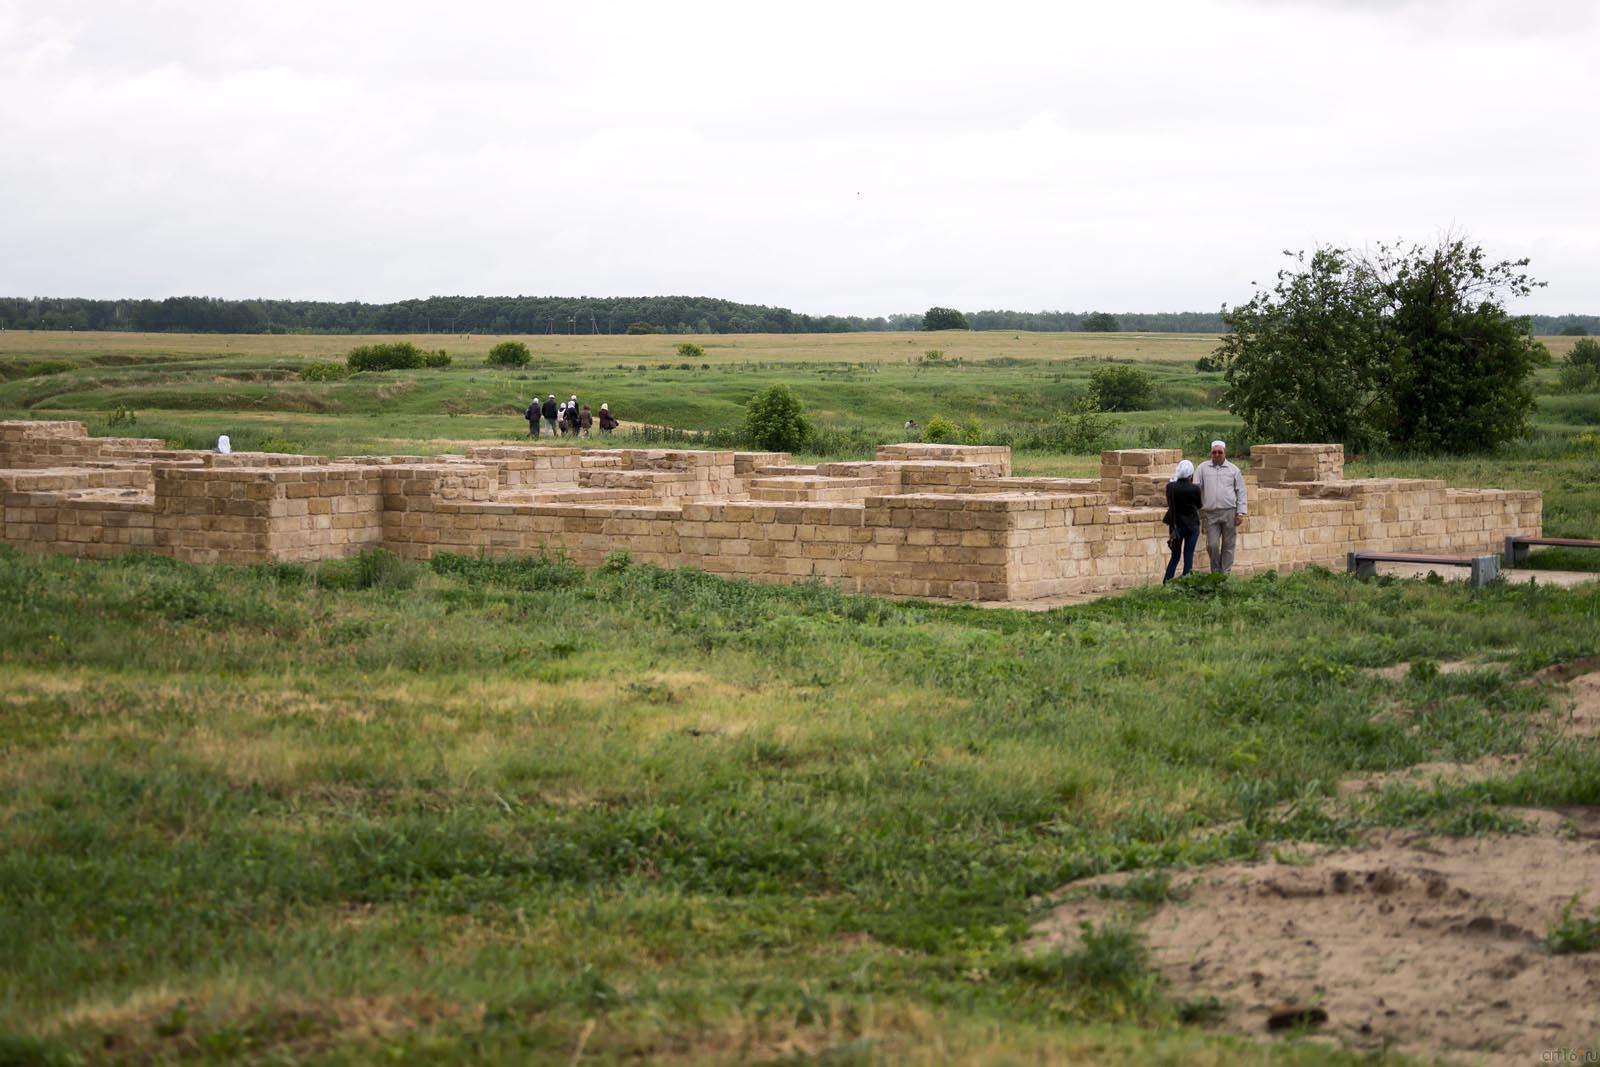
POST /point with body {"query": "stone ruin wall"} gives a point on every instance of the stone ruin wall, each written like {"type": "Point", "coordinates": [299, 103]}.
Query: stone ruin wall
{"type": "Point", "coordinates": [919, 520]}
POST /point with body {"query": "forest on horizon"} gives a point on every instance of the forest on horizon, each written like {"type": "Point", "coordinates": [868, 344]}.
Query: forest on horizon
{"type": "Point", "coordinates": [564, 315]}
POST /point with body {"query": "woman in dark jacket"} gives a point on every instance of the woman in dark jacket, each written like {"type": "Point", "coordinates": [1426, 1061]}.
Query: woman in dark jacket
{"type": "Point", "coordinates": [1182, 518]}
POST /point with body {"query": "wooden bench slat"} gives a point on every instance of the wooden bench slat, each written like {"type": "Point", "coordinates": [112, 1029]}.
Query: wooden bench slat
{"type": "Point", "coordinates": [1565, 542]}
{"type": "Point", "coordinates": [1404, 557]}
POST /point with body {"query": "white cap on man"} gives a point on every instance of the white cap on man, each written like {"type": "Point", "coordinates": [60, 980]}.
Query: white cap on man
{"type": "Point", "coordinates": [1218, 444]}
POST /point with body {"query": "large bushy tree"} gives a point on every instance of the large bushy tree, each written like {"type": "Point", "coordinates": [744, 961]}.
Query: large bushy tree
{"type": "Point", "coordinates": [775, 420]}
{"type": "Point", "coordinates": [1408, 346]}
{"type": "Point", "coordinates": [937, 318]}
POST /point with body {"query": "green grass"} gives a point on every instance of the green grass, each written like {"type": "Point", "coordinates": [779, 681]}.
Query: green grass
{"type": "Point", "coordinates": [454, 811]}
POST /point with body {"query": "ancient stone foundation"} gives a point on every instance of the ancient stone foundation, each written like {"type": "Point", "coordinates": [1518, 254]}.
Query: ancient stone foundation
{"type": "Point", "coordinates": [920, 520]}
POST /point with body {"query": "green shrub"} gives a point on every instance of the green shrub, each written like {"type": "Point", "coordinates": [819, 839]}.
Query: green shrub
{"type": "Point", "coordinates": [1209, 364]}
{"type": "Point", "coordinates": [971, 431]}
{"type": "Point", "coordinates": [324, 371]}
{"type": "Point", "coordinates": [123, 415]}
{"type": "Point", "coordinates": [509, 354]}
{"type": "Point", "coordinates": [395, 355]}
{"type": "Point", "coordinates": [939, 430]}
{"type": "Point", "coordinates": [1120, 388]}
{"type": "Point", "coordinates": [1579, 378]}
{"type": "Point", "coordinates": [775, 420]}
{"type": "Point", "coordinates": [689, 350]}
{"type": "Point", "coordinates": [1082, 429]}
{"type": "Point", "coordinates": [1572, 932]}
{"type": "Point", "coordinates": [439, 358]}
{"type": "Point", "coordinates": [1585, 353]}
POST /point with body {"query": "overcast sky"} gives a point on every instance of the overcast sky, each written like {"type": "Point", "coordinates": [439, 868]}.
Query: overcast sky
{"type": "Point", "coordinates": [849, 158]}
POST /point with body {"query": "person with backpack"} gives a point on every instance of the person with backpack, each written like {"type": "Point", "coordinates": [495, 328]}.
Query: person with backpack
{"type": "Point", "coordinates": [571, 417]}
{"type": "Point", "coordinates": [585, 420]}
{"type": "Point", "coordinates": [608, 422]}
{"type": "Point", "coordinates": [532, 414]}
{"type": "Point", "coordinates": [549, 411]}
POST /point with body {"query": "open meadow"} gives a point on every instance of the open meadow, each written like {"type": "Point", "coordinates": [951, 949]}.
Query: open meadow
{"type": "Point", "coordinates": [512, 810]}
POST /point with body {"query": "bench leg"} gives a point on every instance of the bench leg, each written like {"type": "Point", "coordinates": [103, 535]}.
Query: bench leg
{"type": "Point", "coordinates": [1485, 569]}
{"type": "Point", "coordinates": [1361, 568]}
{"type": "Point", "coordinates": [1516, 552]}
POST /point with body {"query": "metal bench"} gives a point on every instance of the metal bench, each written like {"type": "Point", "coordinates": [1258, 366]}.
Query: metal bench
{"type": "Point", "coordinates": [1485, 569]}
{"type": "Point", "coordinates": [1517, 547]}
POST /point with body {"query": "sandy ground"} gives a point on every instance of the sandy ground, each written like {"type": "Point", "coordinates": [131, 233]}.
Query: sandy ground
{"type": "Point", "coordinates": [1398, 570]}
{"type": "Point", "coordinates": [1419, 943]}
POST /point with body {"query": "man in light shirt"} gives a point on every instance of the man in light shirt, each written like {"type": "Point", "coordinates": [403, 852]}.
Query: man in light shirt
{"type": "Point", "coordinates": [1223, 506]}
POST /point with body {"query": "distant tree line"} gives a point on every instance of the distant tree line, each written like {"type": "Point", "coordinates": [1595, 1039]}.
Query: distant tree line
{"type": "Point", "coordinates": [439, 314]}
{"type": "Point", "coordinates": [568, 315]}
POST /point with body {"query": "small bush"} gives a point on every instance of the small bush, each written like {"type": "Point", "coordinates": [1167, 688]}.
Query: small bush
{"type": "Point", "coordinates": [324, 371]}
{"type": "Point", "coordinates": [280, 444]}
{"type": "Point", "coordinates": [1119, 388]}
{"type": "Point", "coordinates": [509, 354]}
{"type": "Point", "coordinates": [939, 430]}
{"type": "Point", "coordinates": [971, 431]}
{"type": "Point", "coordinates": [123, 415]}
{"type": "Point", "coordinates": [775, 420]}
{"type": "Point", "coordinates": [689, 350]}
{"type": "Point", "coordinates": [1579, 378]}
{"type": "Point", "coordinates": [1083, 428]}
{"type": "Point", "coordinates": [1584, 353]}
{"type": "Point", "coordinates": [440, 358]}
{"type": "Point", "coordinates": [1209, 364]}
{"type": "Point", "coordinates": [1572, 933]}
{"type": "Point", "coordinates": [396, 355]}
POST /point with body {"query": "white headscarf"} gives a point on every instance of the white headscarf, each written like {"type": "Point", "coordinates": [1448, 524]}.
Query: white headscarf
{"type": "Point", "coordinates": [1185, 470]}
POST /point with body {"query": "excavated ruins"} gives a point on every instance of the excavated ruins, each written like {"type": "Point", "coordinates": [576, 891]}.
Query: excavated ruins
{"type": "Point", "coordinates": [945, 521]}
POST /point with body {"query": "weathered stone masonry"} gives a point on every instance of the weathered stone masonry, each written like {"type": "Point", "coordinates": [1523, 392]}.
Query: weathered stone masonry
{"type": "Point", "coordinates": [920, 520]}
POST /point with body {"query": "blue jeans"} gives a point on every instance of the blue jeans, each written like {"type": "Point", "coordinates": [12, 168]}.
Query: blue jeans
{"type": "Point", "coordinates": [1187, 548]}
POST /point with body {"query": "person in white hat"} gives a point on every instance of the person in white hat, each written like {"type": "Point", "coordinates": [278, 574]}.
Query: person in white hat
{"type": "Point", "coordinates": [1223, 506]}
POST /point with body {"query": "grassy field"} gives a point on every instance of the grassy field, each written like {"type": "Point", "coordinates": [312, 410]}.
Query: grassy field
{"type": "Point", "coordinates": [505, 811]}
{"type": "Point", "coordinates": [519, 812]}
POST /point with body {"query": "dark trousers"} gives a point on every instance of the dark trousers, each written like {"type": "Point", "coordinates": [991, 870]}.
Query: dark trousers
{"type": "Point", "coordinates": [1186, 549]}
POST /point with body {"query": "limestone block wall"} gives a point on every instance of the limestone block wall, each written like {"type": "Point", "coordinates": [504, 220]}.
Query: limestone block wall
{"type": "Point", "coordinates": [1137, 477]}
{"type": "Point", "coordinates": [919, 520]}
{"type": "Point", "coordinates": [1277, 464]}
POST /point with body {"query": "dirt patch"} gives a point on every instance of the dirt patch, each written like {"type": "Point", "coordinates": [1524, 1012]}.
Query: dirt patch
{"type": "Point", "coordinates": [1429, 946]}
{"type": "Point", "coordinates": [1582, 718]}
{"type": "Point", "coordinates": [1434, 773]}
{"type": "Point", "coordinates": [1397, 672]}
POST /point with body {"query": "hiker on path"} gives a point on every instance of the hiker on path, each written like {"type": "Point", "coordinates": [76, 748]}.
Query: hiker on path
{"type": "Point", "coordinates": [549, 412]}
{"type": "Point", "coordinates": [585, 420]}
{"type": "Point", "coordinates": [571, 417]}
{"type": "Point", "coordinates": [1182, 519]}
{"type": "Point", "coordinates": [1223, 506]}
{"type": "Point", "coordinates": [608, 421]}
{"type": "Point", "coordinates": [531, 413]}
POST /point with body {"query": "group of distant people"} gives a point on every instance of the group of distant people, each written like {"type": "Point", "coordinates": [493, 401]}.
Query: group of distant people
{"type": "Point", "coordinates": [568, 418]}
{"type": "Point", "coordinates": [1210, 498]}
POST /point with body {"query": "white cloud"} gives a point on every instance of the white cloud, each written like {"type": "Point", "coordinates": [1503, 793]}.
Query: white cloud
{"type": "Point", "coordinates": [850, 158]}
